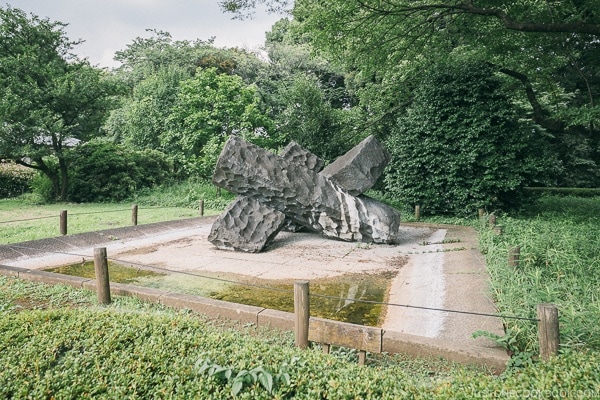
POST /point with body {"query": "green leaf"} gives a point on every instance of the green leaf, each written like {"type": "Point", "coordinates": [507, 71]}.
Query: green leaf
{"type": "Point", "coordinates": [266, 380]}
{"type": "Point", "coordinates": [237, 387]}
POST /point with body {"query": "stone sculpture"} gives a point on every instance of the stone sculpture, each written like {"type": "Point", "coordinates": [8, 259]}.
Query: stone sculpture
{"type": "Point", "coordinates": [273, 189]}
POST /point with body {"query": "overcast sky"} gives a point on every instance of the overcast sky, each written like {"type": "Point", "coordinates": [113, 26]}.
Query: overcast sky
{"type": "Point", "coordinates": [109, 25]}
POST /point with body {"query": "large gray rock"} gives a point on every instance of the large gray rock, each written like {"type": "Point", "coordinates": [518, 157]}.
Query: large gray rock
{"type": "Point", "coordinates": [358, 170]}
{"type": "Point", "coordinates": [304, 196]}
{"type": "Point", "coordinates": [297, 154]}
{"type": "Point", "coordinates": [246, 225]}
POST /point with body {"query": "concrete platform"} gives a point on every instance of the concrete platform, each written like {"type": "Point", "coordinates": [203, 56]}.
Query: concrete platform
{"type": "Point", "coordinates": [436, 267]}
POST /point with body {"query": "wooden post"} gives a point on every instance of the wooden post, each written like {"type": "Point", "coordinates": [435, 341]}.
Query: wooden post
{"type": "Point", "coordinates": [492, 220]}
{"type": "Point", "coordinates": [326, 348]}
{"type": "Point", "coordinates": [134, 214]}
{"type": "Point", "coordinates": [481, 212]}
{"type": "Point", "coordinates": [201, 207]}
{"type": "Point", "coordinates": [417, 212]}
{"type": "Point", "coordinates": [301, 313]}
{"type": "Point", "coordinates": [102, 283]}
{"type": "Point", "coordinates": [63, 222]}
{"type": "Point", "coordinates": [513, 256]}
{"type": "Point", "coordinates": [362, 357]}
{"type": "Point", "coordinates": [548, 331]}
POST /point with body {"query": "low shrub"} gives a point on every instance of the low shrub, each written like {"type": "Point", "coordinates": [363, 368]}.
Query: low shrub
{"type": "Point", "coordinates": [187, 193]}
{"type": "Point", "coordinates": [559, 262]}
{"type": "Point", "coordinates": [14, 179]}
{"type": "Point", "coordinates": [102, 171]}
{"type": "Point", "coordinates": [62, 345]}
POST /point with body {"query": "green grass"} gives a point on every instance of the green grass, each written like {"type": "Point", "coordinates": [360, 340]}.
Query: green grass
{"type": "Point", "coordinates": [57, 342]}
{"type": "Point", "coordinates": [24, 218]}
{"type": "Point", "coordinates": [33, 222]}
{"type": "Point", "coordinates": [559, 240]}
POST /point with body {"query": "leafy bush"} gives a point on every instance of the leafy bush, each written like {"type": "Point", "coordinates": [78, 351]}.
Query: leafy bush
{"type": "Point", "coordinates": [102, 171]}
{"type": "Point", "coordinates": [41, 186]}
{"type": "Point", "coordinates": [559, 260]}
{"type": "Point", "coordinates": [460, 145]}
{"type": "Point", "coordinates": [187, 193]}
{"type": "Point", "coordinates": [131, 349]}
{"type": "Point", "coordinates": [14, 180]}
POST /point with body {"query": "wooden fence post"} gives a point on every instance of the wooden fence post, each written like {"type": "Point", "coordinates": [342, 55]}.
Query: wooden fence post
{"type": "Point", "coordinates": [63, 222]}
{"type": "Point", "coordinates": [514, 255]}
{"type": "Point", "coordinates": [201, 207]}
{"type": "Point", "coordinates": [492, 220]}
{"type": "Point", "coordinates": [417, 212]}
{"type": "Point", "coordinates": [134, 214]}
{"type": "Point", "coordinates": [102, 282]}
{"type": "Point", "coordinates": [548, 331]}
{"type": "Point", "coordinates": [362, 357]}
{"type": "Point", "coordinates": [481, 212]}
{"type": "Point", "coordinates": [301, 313]}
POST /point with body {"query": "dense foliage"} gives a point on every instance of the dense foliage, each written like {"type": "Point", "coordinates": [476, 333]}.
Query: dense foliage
{"type": "Point", "coordinates": [209, 108]}
{"type": "Point", "coordinates": [106, 172]}
{"type": "Point", "coordinates": [134, 350]}
{"type": "Point", "coordinates": [335, 74]}
{"type": "Point", "coordinates": [460, 145]}
{"type": "Point", "coordinates": [49, 100]}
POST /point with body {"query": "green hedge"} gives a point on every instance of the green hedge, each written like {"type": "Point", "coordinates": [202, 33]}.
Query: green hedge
{"type": "Point", "coordinates": [131, 349]}
{"type": "Point", "coordinates": [14, 179]}
{"type": "Point", "coordinates": [109, 172]}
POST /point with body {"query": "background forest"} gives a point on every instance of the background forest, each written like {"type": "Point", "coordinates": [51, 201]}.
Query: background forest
{"type": "Point", "coordinates": [475, 102]}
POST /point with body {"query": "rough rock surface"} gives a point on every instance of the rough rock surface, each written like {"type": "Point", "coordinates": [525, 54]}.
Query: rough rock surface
{"type": "Point", "coordinates": [358, 169]}
{"type": "Point", "coordinates": [246, 225]}
{"type": "Point", "coordinates": [304, 196]}
{"type": "Point", "coordinates": [295, 153]}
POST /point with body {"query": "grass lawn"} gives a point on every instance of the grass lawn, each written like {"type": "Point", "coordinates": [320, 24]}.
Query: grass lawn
{"type": "Point", "coordinates": [43, 221]}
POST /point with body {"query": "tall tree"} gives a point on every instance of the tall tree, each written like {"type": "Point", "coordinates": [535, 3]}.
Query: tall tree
{"type": "Point", "coordinates": [210, 107]}
{"type": "Point", "coordinates": [548, 51]}
{"type": "Point", "coordinates": [142, 115]}
{"type": "Point", "coordinates": [49, 100]}
{"type": "Point", "coordinates": [528, 40]}
{"type": "Point", "coordinates": [154, 68]}
{"type": "Point", "coordinates": [307, 94]}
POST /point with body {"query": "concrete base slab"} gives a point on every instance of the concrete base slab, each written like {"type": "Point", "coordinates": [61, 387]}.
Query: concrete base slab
{"type": "Point", "coordinates": [436, 267]}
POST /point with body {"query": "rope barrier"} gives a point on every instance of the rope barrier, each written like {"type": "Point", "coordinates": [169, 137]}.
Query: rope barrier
{"type": "Point", "coordinates": [27, 219]}
{"type": "Point", "coordinates": [99, 212]}
{"type": "Point", "coordinates": [425, 308]}
{"type": "Point", "coordinates": [203, 276]}
{"type": "Point", "coordinates": [290, 291]}
{"type": "Point", "coordinates": [90, 213]}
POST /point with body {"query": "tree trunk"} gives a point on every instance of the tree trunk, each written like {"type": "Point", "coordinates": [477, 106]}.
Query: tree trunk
{"type": "Point", "coordinates": [64, 179]}
{"type": "Point", "coordinates": [39, 165]}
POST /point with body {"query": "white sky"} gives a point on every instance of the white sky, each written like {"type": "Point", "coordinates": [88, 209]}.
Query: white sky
{"type": "Point", "coordinates": [108, 26]}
